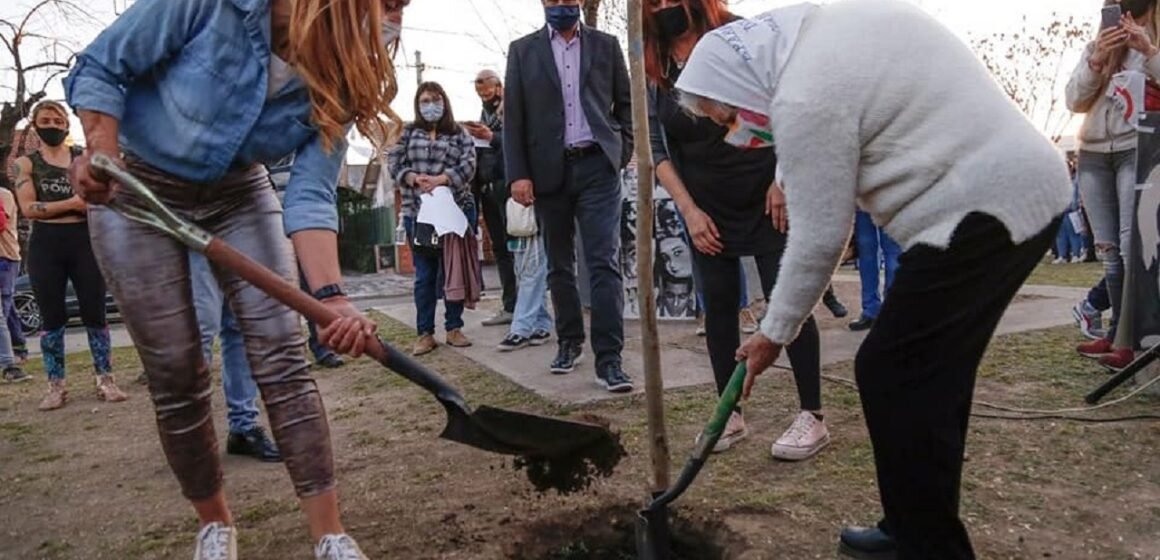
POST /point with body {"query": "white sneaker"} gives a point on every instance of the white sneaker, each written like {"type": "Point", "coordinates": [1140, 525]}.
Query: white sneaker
{"type": "Point", "coordinates": [735, 431]}
{"type": "Point", "coordinates": [338, 547]}
{"type": "Point", "coordinates": [1059, 260]}
{"type": "Point", "coordinates": [216, 542]}
{"type": "Point", "coordinates": [804, 438]}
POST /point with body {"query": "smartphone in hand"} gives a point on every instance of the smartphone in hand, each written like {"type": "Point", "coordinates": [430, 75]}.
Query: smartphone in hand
{"type": "Point", "coordinates": [1110, 16]}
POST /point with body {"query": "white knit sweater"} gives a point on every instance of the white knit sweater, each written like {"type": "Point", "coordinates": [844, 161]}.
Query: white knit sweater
{"type": "Point", "coordinates": [882, 106]}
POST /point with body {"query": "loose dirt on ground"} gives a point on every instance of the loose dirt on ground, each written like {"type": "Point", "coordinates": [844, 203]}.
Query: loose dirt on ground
{"type": "Point", "coordinates": [89, 481]}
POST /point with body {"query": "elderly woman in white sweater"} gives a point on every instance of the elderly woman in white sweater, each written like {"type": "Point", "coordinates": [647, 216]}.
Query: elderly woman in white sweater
{"type": "Point", "coordinates": [942, 160]}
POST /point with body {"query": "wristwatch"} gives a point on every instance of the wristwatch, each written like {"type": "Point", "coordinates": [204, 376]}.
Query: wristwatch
{"type": "Point", "coordinates": [328, 291]}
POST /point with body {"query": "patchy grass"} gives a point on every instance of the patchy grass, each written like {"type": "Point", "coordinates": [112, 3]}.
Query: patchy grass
{"type": "Point", "coordinates": [90, 481]}
{"type": "Point", "coordinates": [1081, 275]}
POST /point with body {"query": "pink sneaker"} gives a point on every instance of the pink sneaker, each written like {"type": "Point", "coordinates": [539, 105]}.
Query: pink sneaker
{"type": "Point", "coordinates": [804, 438]}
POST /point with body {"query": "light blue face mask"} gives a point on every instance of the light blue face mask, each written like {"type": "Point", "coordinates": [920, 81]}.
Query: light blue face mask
{"type": "Point", "coordinates": [431, 111]}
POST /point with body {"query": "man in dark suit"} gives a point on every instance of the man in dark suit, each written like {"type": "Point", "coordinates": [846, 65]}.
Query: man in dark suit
{"type": "Point", "coordinates": [567, 134]}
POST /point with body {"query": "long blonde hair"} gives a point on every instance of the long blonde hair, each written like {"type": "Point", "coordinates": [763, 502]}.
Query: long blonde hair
{"type": "Point", "coordinates": [336, 48]}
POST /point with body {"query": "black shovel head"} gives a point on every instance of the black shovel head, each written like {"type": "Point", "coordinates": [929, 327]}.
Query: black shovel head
{"type": "Point", "coordinates": [520, 433]}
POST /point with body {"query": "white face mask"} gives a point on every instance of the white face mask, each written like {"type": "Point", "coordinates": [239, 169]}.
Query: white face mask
{"type": "Point", "coordinates": [391, 32]}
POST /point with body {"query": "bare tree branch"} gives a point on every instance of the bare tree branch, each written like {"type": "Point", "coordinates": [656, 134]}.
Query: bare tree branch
{"type": "Point", "coordinates": [50, 64]}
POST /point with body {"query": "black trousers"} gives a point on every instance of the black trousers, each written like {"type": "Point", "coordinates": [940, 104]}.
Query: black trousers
{"type": "Point", "coordinates": [58, 254]}
{"type": "Point", "coordinates": [916, 375]}
{"type": "Point", "coordinates": [491, 202]}
{"type": "Point", "coordinates": [589, 199]}
{"type": "Point", "coordinates": [722, 337]}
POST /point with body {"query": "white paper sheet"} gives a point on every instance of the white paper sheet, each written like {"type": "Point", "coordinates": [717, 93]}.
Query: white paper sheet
{"type": "Point", "coordinates": [439, 209]}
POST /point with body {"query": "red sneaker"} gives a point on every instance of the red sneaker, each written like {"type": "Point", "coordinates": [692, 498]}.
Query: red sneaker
{"type": "Point", "coordinates": [1118, 359]}
{"type": "Point", "coordinates": [1095, 349]}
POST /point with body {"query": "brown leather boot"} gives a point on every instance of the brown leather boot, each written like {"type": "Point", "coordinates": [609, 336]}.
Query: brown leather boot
{"type": "Point", "coordinates": [423, 345]}
{"type": "Point", "coordinates": [107, 389]}
{"type": "Point", "coordinates": [457, 339]}
{"type": "Point", "coordinates": [57, 396]}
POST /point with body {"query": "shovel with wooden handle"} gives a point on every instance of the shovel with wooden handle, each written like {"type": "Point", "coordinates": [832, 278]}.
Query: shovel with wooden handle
{"type": "Point", "coordinates": [491, 429]}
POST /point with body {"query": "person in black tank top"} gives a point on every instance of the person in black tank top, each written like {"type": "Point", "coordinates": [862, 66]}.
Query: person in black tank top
{"type": "Point", "coordinates": [724, 194]}
{"type": "Point", "coordinates": [59, 252]}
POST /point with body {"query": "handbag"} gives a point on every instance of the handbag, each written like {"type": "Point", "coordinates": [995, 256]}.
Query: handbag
{"type": "Point", "coordinates": [521, 220]}
{"type": "Point", "coordinates": [425, 236]}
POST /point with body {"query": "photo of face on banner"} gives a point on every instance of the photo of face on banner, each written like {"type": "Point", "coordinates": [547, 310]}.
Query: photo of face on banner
{"type": "Point", "coordinates": [1144, 260]}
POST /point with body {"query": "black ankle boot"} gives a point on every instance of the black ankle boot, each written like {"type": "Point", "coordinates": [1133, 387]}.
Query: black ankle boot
{"type": "Point", "coordinates": [864, 543]}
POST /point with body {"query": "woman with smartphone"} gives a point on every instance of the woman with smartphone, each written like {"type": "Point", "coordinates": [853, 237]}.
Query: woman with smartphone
{"type": "Point", "coordinates": [1107, 148]}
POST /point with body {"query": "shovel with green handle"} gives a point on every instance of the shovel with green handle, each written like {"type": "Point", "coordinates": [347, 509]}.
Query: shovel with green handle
{"type": "Point", "coordinates": [652, 530]}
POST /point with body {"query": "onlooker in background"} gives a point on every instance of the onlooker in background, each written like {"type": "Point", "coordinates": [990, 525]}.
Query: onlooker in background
{"type": "Point", "coordinates": [9, 267]}
{"type": "Point", "coordinates": [433, 152]}
{"type": "Point", "coordinates": [279, 173]}
{"type": "Point", "coordinates": [694, 158]}
{"type": "Point", "coordinates": [9, 271]}
{"type": "Point", "coordinates": [59, 252]}
{"type": "Point", "coordinates": [216, 320]}
{"type": "Point", "coordinates": [489, 187]}
{"type": "Point", "coordinates": [1069, 243]}
{"type": "Point", "coordinates": [1088, 313]}
{"type": "Point", "coordinates": [1107, 152]}
{"type": "Point", "coordinates": [567, 135]}
{"type": "Point", "coordinates": [876, 250]}
{"type": "Point", "coordinates": [532, 324]}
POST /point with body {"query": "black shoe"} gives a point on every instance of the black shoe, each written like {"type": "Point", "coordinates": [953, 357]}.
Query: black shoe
{"type": "Point", "coordinates": [835, 306]}
{"type": "Point", "coordinates": [862, 324]}
{"type": "Point", "coordinates": [611, 377]}
{"type": "Point", "coordinates": [539, 337]}
{"type": "Point", "coordinates": [254, 443]}
{"type": "Point", "coordinates": [867, 544]}
{"type": "Point", "coordinates": [14, 374]}
{"type": "Point", "coordinates": [331, 361]}
{"type": "Point", "coordinates": [570, 354]}
{"type": "Point", "coordinates": [512, 342]}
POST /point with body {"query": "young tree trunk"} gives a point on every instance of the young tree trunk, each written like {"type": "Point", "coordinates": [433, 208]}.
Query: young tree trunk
{"type": "Point", "coordinates": [650, 346]}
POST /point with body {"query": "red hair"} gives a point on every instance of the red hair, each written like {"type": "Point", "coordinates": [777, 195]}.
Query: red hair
{"type": "Point", "coordinates": [704, 16]}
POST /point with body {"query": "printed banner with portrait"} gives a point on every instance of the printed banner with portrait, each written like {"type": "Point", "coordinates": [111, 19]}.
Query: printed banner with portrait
{"type": "Point", "coordinates": [672, 255]}
{"type": "Point", "coordinates": [1144, 257]}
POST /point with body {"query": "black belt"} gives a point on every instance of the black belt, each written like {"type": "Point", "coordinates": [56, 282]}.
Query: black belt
{"type": "Point", "coordinates": [581, 151]}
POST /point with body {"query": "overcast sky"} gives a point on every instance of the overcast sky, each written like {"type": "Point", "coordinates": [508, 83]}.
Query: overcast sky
{"type": "Point", "coordinates": [459, 37]}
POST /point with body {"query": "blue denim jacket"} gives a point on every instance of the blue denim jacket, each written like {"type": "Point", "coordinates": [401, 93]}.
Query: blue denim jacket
{"type": "Point", "coordinates": [187, 81]}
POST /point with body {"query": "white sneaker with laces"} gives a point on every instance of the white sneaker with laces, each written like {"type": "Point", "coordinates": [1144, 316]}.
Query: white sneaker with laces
{"type": "Point", "coordinates": [216, 542]}
{"type": "Point", "coordinates": [804, 438]}
{"type": "Point", "coordinates": [735, 431]}
{"type": "Point", "coordinates": [338, 547]}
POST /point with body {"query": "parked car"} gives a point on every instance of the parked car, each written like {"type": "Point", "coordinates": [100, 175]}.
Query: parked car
{"type": "Point", "coordinates": [29, 311]}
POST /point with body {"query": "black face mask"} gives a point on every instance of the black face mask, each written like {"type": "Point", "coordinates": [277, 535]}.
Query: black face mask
{"type": "Point", "coordinates": [1137, 8]}
{"type": "Point", "coordinates": [52, 136]}
{"type": "Point", "coordinates": [672, 22]}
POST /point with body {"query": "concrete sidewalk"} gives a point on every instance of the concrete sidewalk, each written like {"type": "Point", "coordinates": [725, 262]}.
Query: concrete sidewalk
{"type": "Point", "coordinates": [684, 360]}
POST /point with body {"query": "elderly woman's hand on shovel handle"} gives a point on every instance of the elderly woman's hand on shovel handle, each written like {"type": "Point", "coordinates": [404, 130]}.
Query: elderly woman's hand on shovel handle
{"type": "Point", "coordinates": [758, 352]}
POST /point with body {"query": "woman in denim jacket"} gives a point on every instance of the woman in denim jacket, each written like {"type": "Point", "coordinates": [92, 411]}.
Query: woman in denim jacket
{"type": "Point", "coordinates": [195, 96]}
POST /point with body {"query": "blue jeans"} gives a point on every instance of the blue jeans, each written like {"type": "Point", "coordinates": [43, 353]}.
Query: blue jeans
{"type": "Point", "coordinates": [531, 269]}
{"type": "Point", "coordinates": [9, 270]}
{"type": "Point", "coordinates": [1068, 242]}
{"type": "Point", "coordinates": [215, 319]}
{"type": "Point", "coordinates": [1107, 183]}
{"type": "Point", "coordinates": [429, 287]}
{"type": "Point", "coordinates": [7, 313]}
{"type": "Point", "coordinates": [870, 239]}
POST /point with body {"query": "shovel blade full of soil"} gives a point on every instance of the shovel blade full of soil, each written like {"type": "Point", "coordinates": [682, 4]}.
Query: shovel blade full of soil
{"type": "Point", "coordinates": [487, 428]}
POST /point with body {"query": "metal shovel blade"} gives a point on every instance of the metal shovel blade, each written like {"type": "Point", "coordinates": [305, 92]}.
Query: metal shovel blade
{"type": "Point", "coordinates": [533, 435]}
